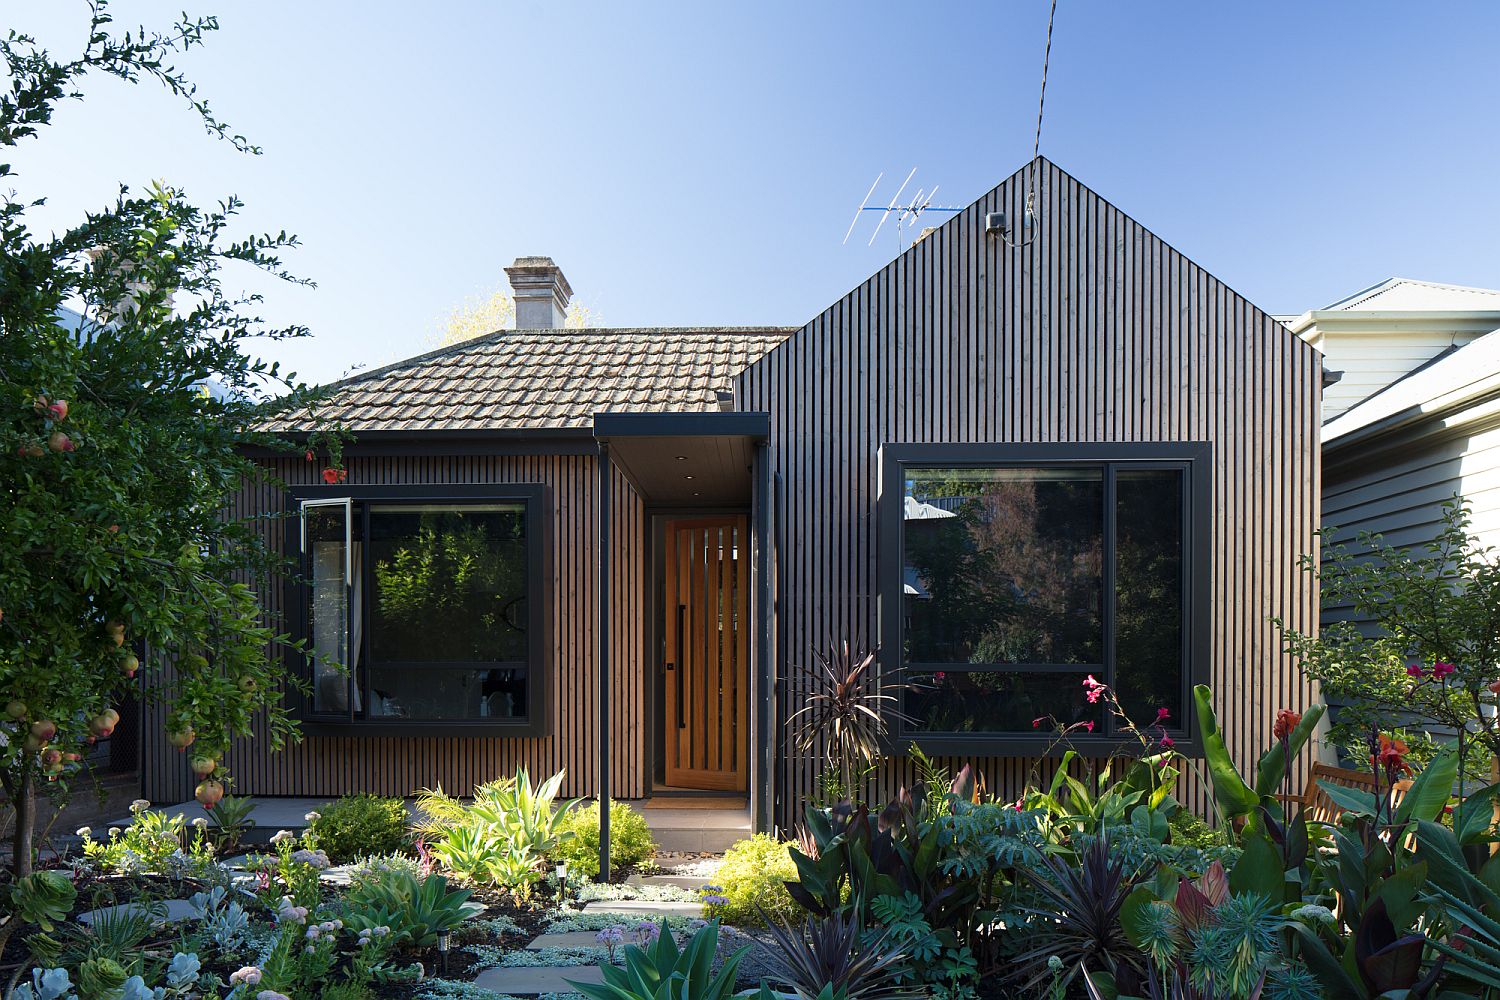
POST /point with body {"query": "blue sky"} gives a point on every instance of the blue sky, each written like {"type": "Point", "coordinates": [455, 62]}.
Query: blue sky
{"type": "Point", "coordinates": [698, 163]}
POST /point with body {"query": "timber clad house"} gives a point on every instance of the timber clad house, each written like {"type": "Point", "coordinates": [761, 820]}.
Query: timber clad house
{"type": "Point", "coordinates": [1014, 457]}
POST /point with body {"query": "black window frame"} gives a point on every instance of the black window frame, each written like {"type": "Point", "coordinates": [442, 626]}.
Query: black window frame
{"type": "Point", "coordinates": [534, 497]}
{"type": "Point", "coordinates": [1196, 461]}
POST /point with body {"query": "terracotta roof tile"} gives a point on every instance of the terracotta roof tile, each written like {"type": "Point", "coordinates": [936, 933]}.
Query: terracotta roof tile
{"type": "Point", "coordinates": [545, 379]}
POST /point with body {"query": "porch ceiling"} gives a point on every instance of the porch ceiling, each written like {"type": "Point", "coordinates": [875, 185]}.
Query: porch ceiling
{"type": "Point", "coordinates": [685, 459]}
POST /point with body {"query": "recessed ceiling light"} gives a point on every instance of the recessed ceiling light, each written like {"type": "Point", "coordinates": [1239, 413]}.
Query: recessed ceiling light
{"type": "Point", "coordinates": [697, 494]}
{"type": "Point", "coordinates": [687, 477]}
{"type": "Point", "coordinates": [682, 458]}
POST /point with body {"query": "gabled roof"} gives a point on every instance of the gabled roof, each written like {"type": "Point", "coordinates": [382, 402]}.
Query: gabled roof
{"type": "Point", "coordinates": [1453, 380]}
{"type": "Point", "coordinates": [1412, 295]}
{"type": "Point", "coordinates": [544, 379]}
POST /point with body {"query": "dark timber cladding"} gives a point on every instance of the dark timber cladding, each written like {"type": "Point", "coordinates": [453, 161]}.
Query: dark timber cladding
{"type": "Point", "coordinates": [398, 765]}
{"type": "Point", "coordinates": [1094, 331]}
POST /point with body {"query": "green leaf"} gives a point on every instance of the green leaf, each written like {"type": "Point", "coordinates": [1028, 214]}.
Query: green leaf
{"type": "Point", "coordinates": [1131, 915]}
{"type": "Point", "coordinates": [1336, 982]}
{"type": "Point", "coordinates": [1476, 816]}
{"type": "Point", "coordinates": [1259, 869]}
{"type": "Point", "coordinates": [1431, 789]}
{"type": "Point", "coordinates": [1234, 797]}
{"type": "Point", "coordinates": [1350, 800]}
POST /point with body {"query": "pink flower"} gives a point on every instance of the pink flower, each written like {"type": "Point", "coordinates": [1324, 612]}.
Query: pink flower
{"type": "Point", "coordinates": [1089, 725]}
{"type": "Point", "coordinates": [1415, 670]}
{"type": "Point", "coordinates": [1168, 743]}
{"type": "Point", "coordinates": [1441, 670]}
{"type": "Point", "coordinates": [1037, 723]}
{"type": "Point", "coordinates": [940, 676]}
{"type": "Point", "coordinates": [1162, 715]}
{"type": "Point", "coordinates": [1094, 688]}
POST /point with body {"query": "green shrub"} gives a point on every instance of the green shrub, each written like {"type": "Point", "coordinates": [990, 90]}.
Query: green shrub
{"type": "Point", "coordinates": [1190, 831]}
{"type": "Point", "coordinates": [630, 840]}
{"type": "Point", "coordinates": [503, 836]}
{"type": "Point", "coordinates": [752, 882]}
{"type": "Point", "coordinates": [358, 825]}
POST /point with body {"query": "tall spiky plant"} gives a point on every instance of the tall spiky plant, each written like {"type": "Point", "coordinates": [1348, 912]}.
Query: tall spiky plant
{"type": "Point", "coordinates": [848, 710]}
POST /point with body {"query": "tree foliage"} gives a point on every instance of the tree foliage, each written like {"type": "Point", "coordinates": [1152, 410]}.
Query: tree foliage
{"type": "Point", "coordinates": [1405, 611]}
{"type": "Point", "coordinates": [121, 434]}
{"type": "Point", "coordinates": [480, 315]}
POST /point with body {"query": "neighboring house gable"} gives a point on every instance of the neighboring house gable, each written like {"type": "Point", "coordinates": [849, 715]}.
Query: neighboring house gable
{"type": "Point", "coordinates": [1381, 333]}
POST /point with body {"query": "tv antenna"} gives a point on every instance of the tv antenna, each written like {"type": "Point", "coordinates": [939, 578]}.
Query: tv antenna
{"type": "Point", "coordinates": [907, 213]}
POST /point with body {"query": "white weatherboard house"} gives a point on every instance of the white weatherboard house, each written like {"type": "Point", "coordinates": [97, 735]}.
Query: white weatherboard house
{"type": "Point", "coordinates": [1414, 417]}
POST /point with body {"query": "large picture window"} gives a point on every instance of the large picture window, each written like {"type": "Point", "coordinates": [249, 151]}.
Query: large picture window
{"type": "Point", "coordinates": [424, 610]}
{"type": "Point", "coordinates": [1010, 574]}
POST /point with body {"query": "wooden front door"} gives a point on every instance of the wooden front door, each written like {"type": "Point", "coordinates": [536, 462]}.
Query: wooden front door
{"type": "Point", "coordinates": [707, 625]}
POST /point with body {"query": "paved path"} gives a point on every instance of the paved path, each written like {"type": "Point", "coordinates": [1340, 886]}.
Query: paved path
{"type": "Point", "coordinates": [530, 980]}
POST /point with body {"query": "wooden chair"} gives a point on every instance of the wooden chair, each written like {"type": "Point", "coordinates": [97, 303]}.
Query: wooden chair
{"type": "Point", "coordinates": [1319, 808]}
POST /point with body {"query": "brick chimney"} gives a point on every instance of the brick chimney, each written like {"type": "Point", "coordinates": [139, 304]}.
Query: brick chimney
{"type": "Point", "coordinates": [541, 293]}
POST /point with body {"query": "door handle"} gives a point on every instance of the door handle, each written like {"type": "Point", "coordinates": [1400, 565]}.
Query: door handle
{"type": "Point", "coordinates": [681, 723]}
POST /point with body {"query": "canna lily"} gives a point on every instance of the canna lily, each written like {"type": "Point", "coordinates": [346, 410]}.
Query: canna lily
{"type": "Point", "coordinates": [1440, 669]}
{"type": "Point", "coordinates": [1286, 721]}
{"type": "Point", "coordinates": [1391, 755]}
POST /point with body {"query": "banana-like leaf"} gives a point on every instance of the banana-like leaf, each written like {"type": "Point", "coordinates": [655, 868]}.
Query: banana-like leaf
{"type": "Point", "coordinates": [1336, 982]}
{"type": "Point", "coordinates": [1476, 816]}
{"type": "Point", "coordinates": [1431, 789]}
{"type": "Point", "coordinates": [1259, 869]}
{"type": "Point", "coordinates": [1234, 797]}
{"type": "Point", "coordinates": [1350, 800]}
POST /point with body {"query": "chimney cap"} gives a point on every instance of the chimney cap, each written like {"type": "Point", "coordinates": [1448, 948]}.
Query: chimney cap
{"type": "Point", "coordinates": [541, 293]}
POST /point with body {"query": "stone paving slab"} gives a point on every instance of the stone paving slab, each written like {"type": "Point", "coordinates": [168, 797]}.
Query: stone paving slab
{"type": "Point", "coordinates": [688, 882]}
{"type": "Point", "coordinates": [537, 979]}
{"type": "Point", "coordinates": [645, 907]}
{"type": "Point", "coordinates": [176, 909]}
{"type": "Point", "coordinates": [569, 939]}
{"type": "Point", "coordinates": [576, 939]}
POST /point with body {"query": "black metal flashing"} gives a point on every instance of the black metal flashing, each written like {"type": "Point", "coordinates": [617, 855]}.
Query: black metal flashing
{"type": "Point", "coordinates": [711, 423]}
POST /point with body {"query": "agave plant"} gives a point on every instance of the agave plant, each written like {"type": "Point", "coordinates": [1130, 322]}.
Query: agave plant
{"type": "Point", "coordinates": [848, 709]}
{"type": "Point", "coordinates": [829, 953]}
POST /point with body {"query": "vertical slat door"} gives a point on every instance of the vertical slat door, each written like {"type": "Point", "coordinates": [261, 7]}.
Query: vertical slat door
{"type": "Point", "coordinates": [707, 666]}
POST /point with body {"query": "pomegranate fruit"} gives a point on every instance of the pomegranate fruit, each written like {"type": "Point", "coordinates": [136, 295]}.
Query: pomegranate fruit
{"type": "Point", "coordinates": [204, 766]}
{"type": "Point", "coordinates": [116, 632]}
{"type": "Point", "coordinates": [58, 441]}
{"type": "Point", "coordinates": [44, 729]}
{"type": "Point", "coordinates": [181, 738]}
{"type": "Point", "coordinates": [208, 793]}
{"type": "Point", "coordinates": [129, 664]}
{"type": "Point", "coordinates": [58, 410]}
{"type": "Point", "coordinates": [16, 709]}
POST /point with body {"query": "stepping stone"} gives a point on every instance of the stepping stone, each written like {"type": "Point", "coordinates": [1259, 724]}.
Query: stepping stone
{"type": "Point", "coordinates": [578, 939]}
{"type": "Point", "coordinates": [692, 883]}
{"type": "Point", "coordinates": [568, 939]}
{"type": "Point", "coordinates": [176, 909]}
{"type": "Point", "coordinates": [643, 908]}
{"type": "Point", "coordinates": [537, 979]}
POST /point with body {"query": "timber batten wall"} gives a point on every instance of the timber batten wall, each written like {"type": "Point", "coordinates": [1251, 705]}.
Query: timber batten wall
{"type": "Point", "coordinates": [398, 765]}
{"type": "Point", "coordinates": [1095, 331]}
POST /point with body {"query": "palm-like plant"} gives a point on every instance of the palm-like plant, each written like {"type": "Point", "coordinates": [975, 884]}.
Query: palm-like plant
{"type": "Point", "coordinates": [849, 709]}
{"type": "Point", "coordinates": [827, 953]}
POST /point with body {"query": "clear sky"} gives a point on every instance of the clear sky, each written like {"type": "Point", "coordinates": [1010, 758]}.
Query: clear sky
{"type": "Point", "coordinates": [698, 163]}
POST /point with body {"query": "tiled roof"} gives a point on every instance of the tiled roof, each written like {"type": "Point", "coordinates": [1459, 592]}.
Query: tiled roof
{"type": "Point", "coordinates": [534, 379]}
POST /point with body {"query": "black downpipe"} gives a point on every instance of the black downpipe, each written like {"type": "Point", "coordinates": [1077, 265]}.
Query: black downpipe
{"type": "Point", "coordinates": [602, 637]}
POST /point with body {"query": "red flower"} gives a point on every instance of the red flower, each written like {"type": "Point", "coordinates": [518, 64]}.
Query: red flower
{"type": "Point", "coordinates": [940, 676]}
{"type": "Point", "coordinates": [310, 456]}
{"type": "Point", "coordinates": [1391, 756]}
{"type": "Point", "coordinates": [1441, 670]}
{"type": "Point", "coordinates": [1415, 670]}
{"type": "Point", "coordinates": [1168, 743]}
{"type": "Point", "coordinates": [1286, 721]}
{"type": "Point", "coordinates": [1089, 725]}
{"type": "Point", "coordinates": [331, 476]}
{"type": "Point", "coordinates": [1094, 688]}
{"type": "Point", "coordinates": [1037, 723]}
{"type": "Point", "coordinates": [1162, 715]}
